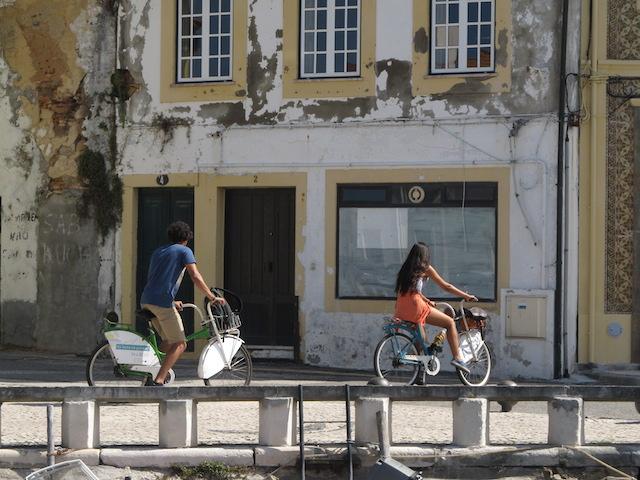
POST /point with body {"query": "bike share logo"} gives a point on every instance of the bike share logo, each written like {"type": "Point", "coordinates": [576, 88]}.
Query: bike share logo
{"type": "Point", "coordinates": [416, 194]}
{"type": "Point", "coordinates": [128, 346]}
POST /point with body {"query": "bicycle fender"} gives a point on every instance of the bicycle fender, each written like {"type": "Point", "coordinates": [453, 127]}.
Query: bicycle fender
{"type": "Point", "coordinates": [130, 348]}
{"type": "Point", "coordinates": [216, 355]}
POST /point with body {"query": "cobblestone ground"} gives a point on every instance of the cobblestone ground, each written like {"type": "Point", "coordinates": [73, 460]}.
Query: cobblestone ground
{"type": "Point", "coordinates": [412, 422]}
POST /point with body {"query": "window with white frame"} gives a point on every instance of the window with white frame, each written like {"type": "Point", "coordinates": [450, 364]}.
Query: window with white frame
{"type": "Point", "coordinates": [462, 36]}
{"type": "Point", "coordinates": [329, 38]}
{"type": "Point", "coordinates": [205, 30]}
{"type": "Point", "coordinates": [378, 224]}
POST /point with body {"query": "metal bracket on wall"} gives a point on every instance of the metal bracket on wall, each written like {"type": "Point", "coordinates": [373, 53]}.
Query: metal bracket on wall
{"type": "Point", "coordinates": [626, 88]}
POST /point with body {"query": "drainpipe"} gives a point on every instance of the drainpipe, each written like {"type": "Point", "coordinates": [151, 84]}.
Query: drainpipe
{"type": "Point", "coordinates": [558, 344]}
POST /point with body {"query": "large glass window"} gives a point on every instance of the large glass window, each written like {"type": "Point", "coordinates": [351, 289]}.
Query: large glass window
{"type": "Point", "coordinates": [329, 38]}
{"type": "Point", "coordinates": [204, 40]}
{"type": "Point", "coordinates": [462, 36]}
{"type": "Point", "coordinates": [378, 224]}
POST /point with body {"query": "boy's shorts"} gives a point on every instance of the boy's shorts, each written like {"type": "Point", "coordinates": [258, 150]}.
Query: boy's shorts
{"type": "Point", "coordinates": [167, 323]}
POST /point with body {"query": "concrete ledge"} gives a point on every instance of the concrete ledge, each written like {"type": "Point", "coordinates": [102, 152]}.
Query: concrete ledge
{"type": "Point", "coordinates": [288, 456]}
{"type": "Point", "coordinates": [37, 457]}
{"type": "Point", "coordinates": [166, 457]}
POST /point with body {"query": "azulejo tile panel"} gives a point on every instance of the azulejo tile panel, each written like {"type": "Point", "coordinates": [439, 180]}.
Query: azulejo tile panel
{"type": "Point", "coordinates": [623, 37]}
{"type": "Point", "coordinates": [619, 203]}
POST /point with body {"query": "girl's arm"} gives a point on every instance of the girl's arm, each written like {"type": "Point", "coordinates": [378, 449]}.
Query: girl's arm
{"type": "Point", "coordinates": [443, 284]}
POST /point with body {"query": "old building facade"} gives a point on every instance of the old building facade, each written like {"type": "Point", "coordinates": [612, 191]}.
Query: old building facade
{"type": "Point", "coordinates": [310, 144]}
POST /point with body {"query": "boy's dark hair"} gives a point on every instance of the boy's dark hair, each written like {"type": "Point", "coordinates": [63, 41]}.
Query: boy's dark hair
{"type": "Point", "coordinates": [179, 232]}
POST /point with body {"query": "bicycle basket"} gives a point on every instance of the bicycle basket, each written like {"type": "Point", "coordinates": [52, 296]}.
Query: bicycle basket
{"type": "Point", "coordinates": [223, 313]}
{"type": "Point", "coordinates": [476, 319]}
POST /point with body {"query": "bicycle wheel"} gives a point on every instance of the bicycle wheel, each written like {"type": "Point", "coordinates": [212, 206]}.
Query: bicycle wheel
{"type": "Point", "coordinates": [239, 371]}
{"type": "Point", "coordinates": [103, 370]}
{"type": "Point", "coordinates": [387, 359]}
{"type": "Point", "coordinates": [479, 369]}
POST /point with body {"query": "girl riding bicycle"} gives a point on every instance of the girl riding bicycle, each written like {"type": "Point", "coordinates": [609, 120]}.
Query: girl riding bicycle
{"type": "Point", "coordinates": [413, 306]}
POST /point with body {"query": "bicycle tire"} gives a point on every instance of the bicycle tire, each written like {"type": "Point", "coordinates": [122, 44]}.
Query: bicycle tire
{"type": "Point", "coordinates": [239, 373]}
{"type": "Point", "coordinates": [393, 373]}
{"type": "Point", "coordinates": [479, 370]}
{"type": "Point", "coordinates": [102, 371]}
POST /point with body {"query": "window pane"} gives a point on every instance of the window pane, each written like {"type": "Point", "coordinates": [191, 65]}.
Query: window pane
{"type": "Point", "coordinates": [340, 40]}
{"type": "Point", "coordinates": [186, 47]}
{"type": "Point", "coordinates": [309, 43]}
{"type": "Point", "coordinates": [453, 13]}
{"type": "Point", "coordinates": [322, 42]}
{"type": "Point", "coordinates": [308, 64]}
{"type": "Point", "coordinates": [321, 63]}
{"type": "Point", "coordinates": [352, 40]}
{"type": "Point", "coordinates": [485, 57]}
{"type": "Point", "coordinates": [309, 3]}
{"type": "Point", "coordinates": [472, 15]}
{"type": "Point", "coordinates": [485, 34]}
{"type": "Point", "coordinates": [186, 26]}
{"type": "Point", "coordinates": [226, 6]}
{"type": "Point", "coordinates": [215, 6]}
{"type": "Point", "coordinates": [197, 6]}
{"type": "Point", "coordinates": [485, 12]}
{"type": "Point", "coordinates": [225, 45]}
{"type": "Point", "coordinates": [322, 19]}
{"type": "Point", "coordinates": [339, 61]}
{"type": "Point", "coordinates": [472, 57]}
{"type": "Point", "coordinates": [225, 24]}
{"type": "Point", "coordinates": [352, 2]}
{"type": "Point", "coordinates": [352, 62]}
{"type": "Point", "coordinates": [197, 25]}
{"type": "Point", "coordinates": [340, 3]}
{"type": "Point", "coordinates": [453, 58]}
{"type": "Point", "coordinates": [197, 47]}
{"type": "Point", "coordinates": [440, 58]}
{"type": "Point", "coordinates": [213, 46]}
{"type": "Point", "coordinates": [322, 3]}
{"type": "Point", "coordinates": [186, 7]}
{"type": "Point", "coordinates": [352, 18]}
{"type": "Point", "coordinates": [224, 67]}
{"type": "Point", "coordinates": [214, 24]}
{"type": "Point", "coordinates": [213, 67]}
{"type": "Point", "coordinates": [441, 39]}
{"type": "Point", "coordinates": [309, 20]}
{"type": "Point", "coordinates": [472, 35]}
{"type": "Point", "coordinates": [186, 70]}
{"type": "Point", "coordinates": [373, 244]}
{"type": "Point", "coordinates": [441, 14]}
{"type": "Point", "coordinates": [453, 36]}
{"type": "Point", "coordinates": [196, 64]}
{"type": "Point", "coordinates": [340, 18]}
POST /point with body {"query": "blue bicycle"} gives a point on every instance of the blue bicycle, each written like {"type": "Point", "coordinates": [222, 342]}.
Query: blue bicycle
{"type": "Point", "coordinates": [398, 359]}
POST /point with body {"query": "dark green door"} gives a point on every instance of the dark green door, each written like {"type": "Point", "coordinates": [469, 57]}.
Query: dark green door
{"type": "Point", "coordinates": [259, 262]}
{"type": "Point", "coordinates": [157, 208]}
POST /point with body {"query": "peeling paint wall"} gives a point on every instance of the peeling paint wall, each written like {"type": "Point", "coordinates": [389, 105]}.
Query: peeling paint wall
{"type": "Point", "coordinates": [261, 131]}
{"type": "Point", "coordinates": [55, 272]}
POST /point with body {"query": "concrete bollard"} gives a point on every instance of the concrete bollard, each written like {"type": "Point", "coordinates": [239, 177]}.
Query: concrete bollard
{"type": "Point", "coordinates": [178, 423]}
{"type": "Point", "coordinates": [277, 423]}
{"type": "Point", "coordinates": [80, 425]}
{"type": "Point", "coordinates": [366, 420]}
{"type": "Point", "coordinates": [471, 422]}
{"type": "Point", "coordinates": [566, 421]}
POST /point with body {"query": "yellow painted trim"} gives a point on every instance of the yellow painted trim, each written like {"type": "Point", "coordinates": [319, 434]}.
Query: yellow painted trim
{"type": "Point", "coordinates": [619, 68]}
{"type": "Point", "coordinates": [453, 174]}
{"type": "Point", "coordinates": [294, 87]}
{"type": "Point", "coordinates": [425, 84]}
{"type": "Point", "coordinates": [635, 102]}
{"type": "Point", "coordinates": [234, 90]}
{"type": "Point", "coordinates": [208, 226]}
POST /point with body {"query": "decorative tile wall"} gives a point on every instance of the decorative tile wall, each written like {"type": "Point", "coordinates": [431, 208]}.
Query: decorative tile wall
{"type": "Point", "coordinates": [623, 37]}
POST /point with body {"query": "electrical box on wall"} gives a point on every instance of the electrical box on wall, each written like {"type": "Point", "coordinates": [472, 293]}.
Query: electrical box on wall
{"type": "Point", "coordinates": [527, 312]}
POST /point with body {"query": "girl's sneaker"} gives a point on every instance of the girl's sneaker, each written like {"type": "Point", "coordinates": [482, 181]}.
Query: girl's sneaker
{"type": "Point", "coordinates": [460, 365]}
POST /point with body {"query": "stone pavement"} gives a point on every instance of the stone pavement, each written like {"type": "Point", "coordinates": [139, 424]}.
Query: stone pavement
{"type": "Point", "coordinates": [419, 423]}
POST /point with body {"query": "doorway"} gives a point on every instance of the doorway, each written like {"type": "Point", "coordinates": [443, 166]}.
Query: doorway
{"type": "Point", "coordinates": [157, 208]}
{"type": "Point", "coordinates": [259, 263]}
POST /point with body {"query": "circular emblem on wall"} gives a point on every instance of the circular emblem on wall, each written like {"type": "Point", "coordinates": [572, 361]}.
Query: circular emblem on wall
{"type": "Point", "coordinates": [416, 194]}
{"type": "Point", "coordinates": [614, 329]}
{"type": "Point", "coordinates": [162, 179]}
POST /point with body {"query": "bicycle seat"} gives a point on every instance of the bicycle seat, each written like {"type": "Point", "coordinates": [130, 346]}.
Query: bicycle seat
{"type": "Point", "coordinates": [144, 315]}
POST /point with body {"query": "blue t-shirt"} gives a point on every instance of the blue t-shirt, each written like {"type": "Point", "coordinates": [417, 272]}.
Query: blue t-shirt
{"type": "Point", "coordinates": [165, 274]}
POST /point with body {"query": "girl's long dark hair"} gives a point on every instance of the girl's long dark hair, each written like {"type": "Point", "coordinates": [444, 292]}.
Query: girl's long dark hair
{"type": "Point", "coordinates": [414, 267]}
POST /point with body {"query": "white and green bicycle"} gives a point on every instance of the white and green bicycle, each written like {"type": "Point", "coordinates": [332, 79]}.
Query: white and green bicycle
{"type": "Point", "coordinates": [128, 357]}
